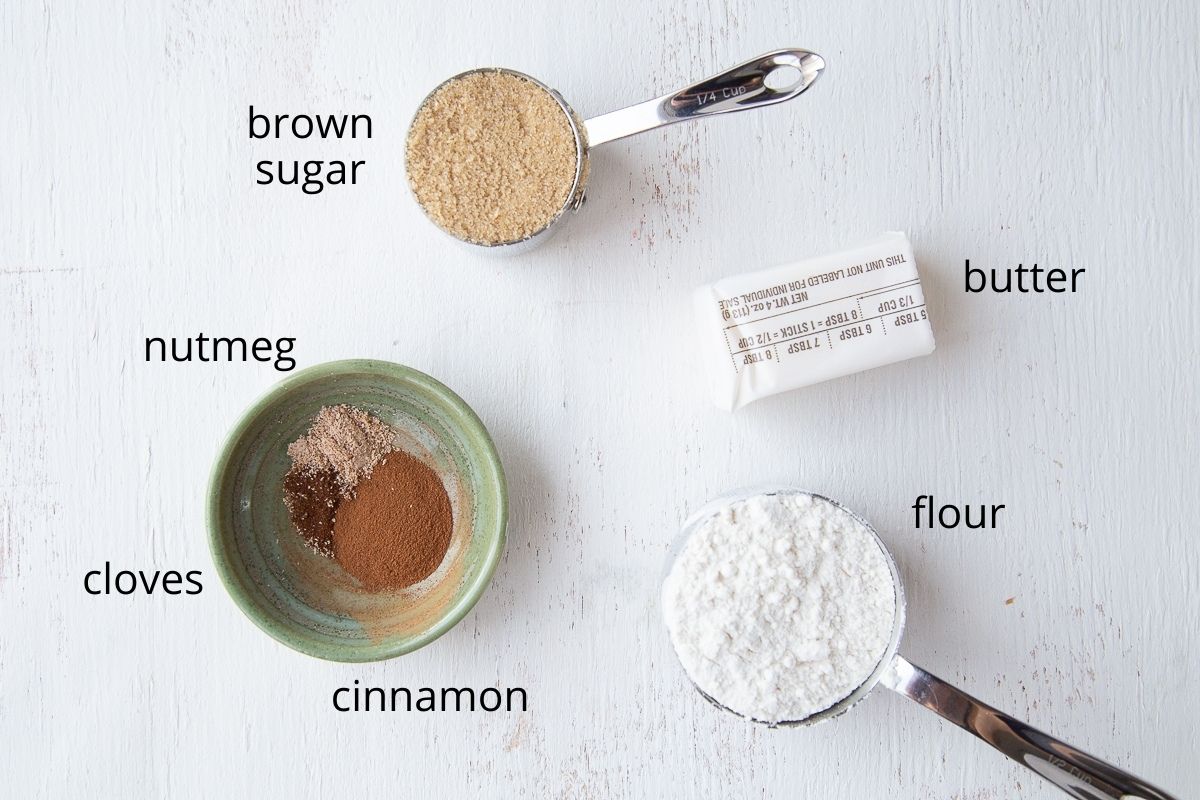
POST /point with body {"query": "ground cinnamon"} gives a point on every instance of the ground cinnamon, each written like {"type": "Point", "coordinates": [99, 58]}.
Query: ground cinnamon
{"type": "Point", "coordinates": [395, 530]}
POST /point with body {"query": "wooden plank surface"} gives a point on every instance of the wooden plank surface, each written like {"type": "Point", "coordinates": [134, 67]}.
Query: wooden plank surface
{"type": "Point", "coordinates": [1062, 133]}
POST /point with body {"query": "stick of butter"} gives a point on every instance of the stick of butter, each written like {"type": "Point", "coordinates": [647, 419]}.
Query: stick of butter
{"type": "Point", "coordinates": [798, 324]}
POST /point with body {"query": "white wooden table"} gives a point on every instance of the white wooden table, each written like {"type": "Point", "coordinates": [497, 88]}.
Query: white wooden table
{"type": "Point", "coordinates": [1062, 133]}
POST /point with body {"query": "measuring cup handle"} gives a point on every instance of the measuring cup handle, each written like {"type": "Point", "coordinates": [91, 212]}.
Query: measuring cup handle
{"type": "Point", "coordinates": [737, 89]}
{"type": "Point", "coordinates": [1076, 773]}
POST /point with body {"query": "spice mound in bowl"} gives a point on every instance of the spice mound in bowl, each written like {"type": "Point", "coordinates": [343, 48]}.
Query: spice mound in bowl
{"type": "Point", "coordinates": [493, 158]}
{"type": "Point", "coordinates": [357, 511]}
{"type": "Point", "coordinates": [355, 496]}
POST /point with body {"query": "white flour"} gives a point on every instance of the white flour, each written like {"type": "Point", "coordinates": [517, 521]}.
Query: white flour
{"type": "Point", "coordinates": [779, 606]}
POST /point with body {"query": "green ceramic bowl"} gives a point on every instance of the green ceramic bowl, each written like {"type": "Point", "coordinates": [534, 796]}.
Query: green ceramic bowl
{"type": "Point", "coordinates": [309, 602]}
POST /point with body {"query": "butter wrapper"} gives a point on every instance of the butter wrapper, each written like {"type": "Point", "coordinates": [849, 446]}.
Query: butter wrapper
{"type": "Point", "coordinates": [813, 320]}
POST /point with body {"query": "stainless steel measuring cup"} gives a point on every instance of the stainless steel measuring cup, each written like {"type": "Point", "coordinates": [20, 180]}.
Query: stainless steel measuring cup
{"type": "Point", "coordinates": [1078, 774]}
{"type": "Point", "coordinates": [766, 80]}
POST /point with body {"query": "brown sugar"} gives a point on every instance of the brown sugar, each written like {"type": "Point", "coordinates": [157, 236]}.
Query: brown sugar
{"type": "Point", "coordinates": [395, 530]}
{"type": "Point", "coordinates": [491, 157]}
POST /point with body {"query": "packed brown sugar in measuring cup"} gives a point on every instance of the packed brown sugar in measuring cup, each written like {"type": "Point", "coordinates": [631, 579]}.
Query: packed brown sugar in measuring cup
{"type": "Point", "coordinates": [491, 157]}
{"type": "Point", "coordinates": [354, 497]}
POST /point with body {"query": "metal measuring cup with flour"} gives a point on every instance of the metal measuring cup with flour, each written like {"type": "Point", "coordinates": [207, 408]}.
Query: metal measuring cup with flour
{"type": "Point", "coordinates": [496, 158]}
{"type": "Point", "coordinates": [786, 608]}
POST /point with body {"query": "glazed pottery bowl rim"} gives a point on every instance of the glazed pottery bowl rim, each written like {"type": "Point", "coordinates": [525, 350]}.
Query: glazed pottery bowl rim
{"type": "Point", "coordinates": [485, 454]}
